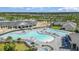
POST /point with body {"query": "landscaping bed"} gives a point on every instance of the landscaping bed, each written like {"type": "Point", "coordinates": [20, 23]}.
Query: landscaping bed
{"type": "Point", "coordinates": [17, 46]}
{"type": "Point", "coordinates": [56, 27]}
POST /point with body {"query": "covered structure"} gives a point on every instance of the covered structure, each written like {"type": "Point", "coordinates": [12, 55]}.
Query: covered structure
{"type": "Point", "coordinates": [18, 24]}
{"type": "Point", "coordinates": [69, 26]}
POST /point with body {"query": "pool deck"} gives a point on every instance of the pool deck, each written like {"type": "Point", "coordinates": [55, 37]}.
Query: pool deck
{"type": "Point", "coordinates": [75, 38]}
{"type": "Point", "coordinates": [56, 43]}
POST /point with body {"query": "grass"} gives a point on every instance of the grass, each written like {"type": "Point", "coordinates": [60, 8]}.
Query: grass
{"type": "Point", "coordinates": [19, 47]}
{"type": "Point", "coordinates": [1, 47]}
{"type": "Point", "coordinates": [56, 27]}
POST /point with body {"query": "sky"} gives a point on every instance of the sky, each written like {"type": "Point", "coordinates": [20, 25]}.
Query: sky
{"type": "Point", "coordinates": [39, 9]}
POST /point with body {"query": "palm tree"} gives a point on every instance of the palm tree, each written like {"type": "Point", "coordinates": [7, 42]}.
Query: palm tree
{"type": "Point", "coordinates": [9, 39]}
{"type": "Point", "coordinates": [19, 40]}
{"type": "Point", "coordinates": [33, 44]}
{"type": "Point", "coordinates": [33, 48]}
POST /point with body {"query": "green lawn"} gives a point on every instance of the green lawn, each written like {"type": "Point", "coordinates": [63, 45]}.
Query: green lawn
{"type": "Point", "coordinates": [19, 47]}
{"type": "Point", "coordinates": [55, 27]}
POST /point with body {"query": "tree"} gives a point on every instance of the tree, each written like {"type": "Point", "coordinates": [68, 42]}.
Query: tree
{"type": "Point", "coordinates": [30, 49]}
{"type": "Point", "coordinates": [9, 39]}
{"type": "Point", "coordinates": [33, 44]}
{"type": "Point", "coordinates": [19, 40]}
{"type": "Point", "coordinates": [9, 47]}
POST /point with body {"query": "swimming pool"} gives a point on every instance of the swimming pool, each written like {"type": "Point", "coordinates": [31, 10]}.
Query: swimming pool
{"type": "Point", "coordinates": [31, 34]}
{"type": "Point", "coordinates": [58, 32]}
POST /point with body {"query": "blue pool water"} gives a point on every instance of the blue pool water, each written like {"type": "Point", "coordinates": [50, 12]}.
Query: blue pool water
{"type": "Point", "coordinates": [58, 32]}
{"type": "Point", "coordinates": [34, 34]}
{"type": "Point", "coordinates": [31, 34]}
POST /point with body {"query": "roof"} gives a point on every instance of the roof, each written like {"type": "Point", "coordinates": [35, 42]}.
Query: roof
{"type": "Point", "coordinates": [14, 23]}
{"type": "Point", "coordinates": [70, 23]}
{"type": "Point", "coordinates": [58, 23]}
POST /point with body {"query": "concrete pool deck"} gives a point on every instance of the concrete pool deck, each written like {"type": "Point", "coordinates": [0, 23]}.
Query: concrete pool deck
{"type": "Point", "coordinates": [75, 38]}
{"type": "Point", "coordinates": [56, 43]}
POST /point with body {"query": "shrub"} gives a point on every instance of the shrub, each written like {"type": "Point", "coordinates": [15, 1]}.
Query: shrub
{"type": "Point", "coordinates": [77, 31]}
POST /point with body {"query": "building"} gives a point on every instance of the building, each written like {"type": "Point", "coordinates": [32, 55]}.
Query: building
{"type": "Point", "coordinates": [57, 23]}
{"type": "Point", "coordinates": [75, 40]}
{"type": "Point", "coordinates": [18, 24]}
{"type": "Point", "coordinates": [69, 26]}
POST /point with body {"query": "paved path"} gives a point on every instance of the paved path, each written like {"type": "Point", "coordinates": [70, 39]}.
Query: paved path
{"type": "Point", "coordinates": [75, 38]}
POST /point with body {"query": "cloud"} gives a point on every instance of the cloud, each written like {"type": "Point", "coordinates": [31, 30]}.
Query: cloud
{"type": "Point", "coordinates": [28, 8]}
{"type": "Point", "coordinates": [69, 9]}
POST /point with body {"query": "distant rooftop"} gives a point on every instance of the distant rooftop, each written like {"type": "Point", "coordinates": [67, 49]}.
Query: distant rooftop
{"type": "Point", "coordinates": [2, 19]}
